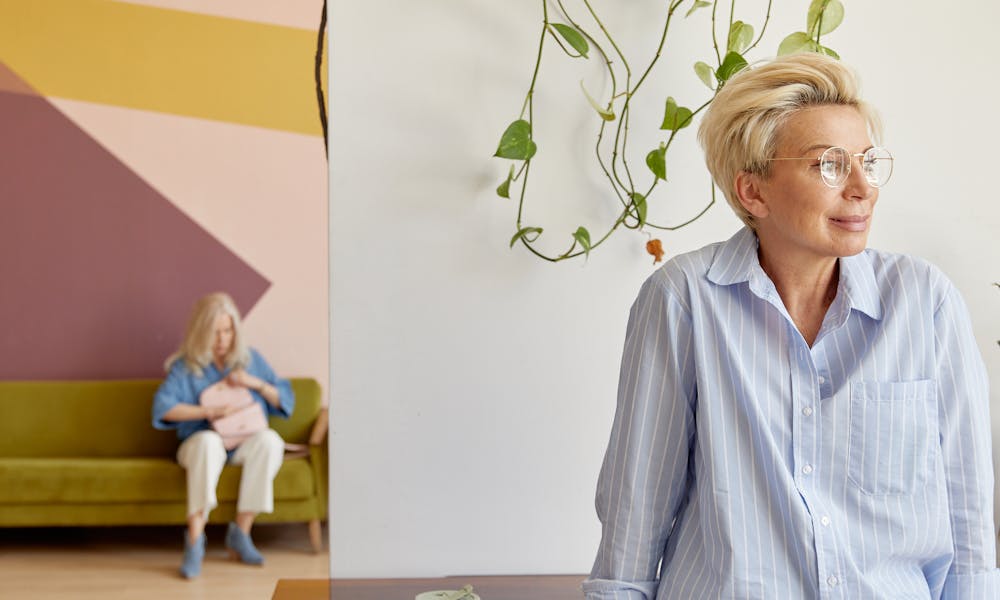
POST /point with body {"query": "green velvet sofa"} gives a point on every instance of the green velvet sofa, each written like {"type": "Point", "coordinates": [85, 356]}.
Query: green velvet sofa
{"type": "Point", "coordinates": [82, 453]}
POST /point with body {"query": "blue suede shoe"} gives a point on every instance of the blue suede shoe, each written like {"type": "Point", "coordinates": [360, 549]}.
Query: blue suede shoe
{"type": "Point", "coordinates": [193, 555]}
{"type": "Point", "coordinates": [242, 546]}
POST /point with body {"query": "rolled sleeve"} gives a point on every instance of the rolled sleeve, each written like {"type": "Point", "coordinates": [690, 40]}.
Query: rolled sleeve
{"type": "Point", "coordinates": [286, 397]}
{"type": "Point", "coordinates": [174, 390]}
{"type": "Point", "coordinates": [605, 589]}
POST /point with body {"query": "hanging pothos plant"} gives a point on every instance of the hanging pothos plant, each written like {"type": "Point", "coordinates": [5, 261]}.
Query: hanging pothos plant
{"type": "Point", "coordinates": [634, 190]}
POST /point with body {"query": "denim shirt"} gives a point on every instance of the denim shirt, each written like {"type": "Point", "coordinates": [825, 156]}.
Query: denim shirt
{"type": "Point", "coordinates": [184, 387]}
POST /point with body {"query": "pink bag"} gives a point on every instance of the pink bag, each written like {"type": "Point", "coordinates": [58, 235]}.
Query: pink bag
{"type": "Point", "coordinates": [244, 419]}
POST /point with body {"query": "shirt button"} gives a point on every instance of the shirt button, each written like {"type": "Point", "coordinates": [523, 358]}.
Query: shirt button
{"type": "Point", "coordinates": [825, 520]}
{"type": "Point", "coordinates": [807, 469]}
{"type": "Point", "coordinates": [807, 411]}
{"type": "Point", "coordinates": [821, 380]}
{"type": "Point", "coordinates": [833, 581]}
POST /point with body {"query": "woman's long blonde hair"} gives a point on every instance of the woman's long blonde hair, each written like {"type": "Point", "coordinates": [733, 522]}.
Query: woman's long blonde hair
{"type": "Point", "coordinates": [196, 349]}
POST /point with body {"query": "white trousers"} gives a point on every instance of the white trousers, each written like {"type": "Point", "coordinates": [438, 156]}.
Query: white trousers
{"type": "Point", "coordinates": [203, 456]}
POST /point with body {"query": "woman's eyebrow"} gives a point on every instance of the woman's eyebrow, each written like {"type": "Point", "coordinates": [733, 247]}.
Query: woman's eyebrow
{"type": "Point", "coordinates": [816, 147]}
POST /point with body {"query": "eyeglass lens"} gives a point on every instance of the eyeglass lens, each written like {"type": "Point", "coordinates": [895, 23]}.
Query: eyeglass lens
{"type": "Point", "coordinates": [835, 166]}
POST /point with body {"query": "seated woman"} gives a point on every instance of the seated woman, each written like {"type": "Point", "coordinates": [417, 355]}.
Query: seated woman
{"type": "Point", "coordinates": [214, 352]}
{"type": "Point", "coordinates": [799, 416]}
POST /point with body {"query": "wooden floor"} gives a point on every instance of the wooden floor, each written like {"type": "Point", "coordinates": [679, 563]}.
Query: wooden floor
{"type": "Point", "coordinates": [141, 562]}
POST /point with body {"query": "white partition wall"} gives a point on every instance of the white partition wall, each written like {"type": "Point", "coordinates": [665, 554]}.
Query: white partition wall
{"type": "Point", "coordinates": [473, 386]}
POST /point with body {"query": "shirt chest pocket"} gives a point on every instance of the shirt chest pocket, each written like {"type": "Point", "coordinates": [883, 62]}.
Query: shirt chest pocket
{"type": "Point", "coordinates": [893, 429]}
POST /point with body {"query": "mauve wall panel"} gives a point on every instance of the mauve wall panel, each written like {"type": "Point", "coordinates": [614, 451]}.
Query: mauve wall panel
{"type": "Point", "coordinates": [98, 270]}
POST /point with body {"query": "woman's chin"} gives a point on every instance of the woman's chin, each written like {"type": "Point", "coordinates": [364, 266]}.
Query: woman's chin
{"type": "Point", "coordinates": [851, 247]}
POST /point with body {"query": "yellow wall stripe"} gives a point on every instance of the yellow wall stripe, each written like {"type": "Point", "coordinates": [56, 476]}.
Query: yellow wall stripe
{"type": "Point", "coordinates": [164, 60]}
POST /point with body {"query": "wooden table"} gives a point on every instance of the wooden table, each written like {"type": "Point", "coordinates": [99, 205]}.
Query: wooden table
{"type": "Point", "coordinates": [507, 587]}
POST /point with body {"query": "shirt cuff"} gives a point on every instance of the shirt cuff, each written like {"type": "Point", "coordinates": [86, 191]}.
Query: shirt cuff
{"type": "Point", "coordinates": [972, 586]}
{"type": "Point", "coordinates": [607, 589]}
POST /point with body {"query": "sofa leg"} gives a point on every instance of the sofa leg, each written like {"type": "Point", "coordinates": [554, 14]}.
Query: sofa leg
{"type": "Point", "coordinates": [316, 536]}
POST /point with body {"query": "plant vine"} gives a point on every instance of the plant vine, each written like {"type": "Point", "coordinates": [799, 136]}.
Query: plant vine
{"type": "Point", "coordinates": [576, 42]}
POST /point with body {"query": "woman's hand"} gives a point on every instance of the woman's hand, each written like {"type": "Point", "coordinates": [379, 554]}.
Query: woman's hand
{"type": "Point", "coordinates": [217, 412]}
{"type": "Point", "coordinates": [192, 412]}
{"type": "Point", "coordinates": [268, 391]}
{"type": "Point", "coordinates": [239, 377]}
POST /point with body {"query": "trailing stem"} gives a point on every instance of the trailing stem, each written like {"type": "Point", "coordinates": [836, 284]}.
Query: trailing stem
{"type": "Point", "coordinates": [575, 41]}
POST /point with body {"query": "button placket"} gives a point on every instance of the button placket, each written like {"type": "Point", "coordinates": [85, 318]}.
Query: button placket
{"type": "Point", "coordinates": [805, 428]}
{"type": "Point", "coordinates": [808, 388]}
{"type": "Point", "coordinates": [828, 567]}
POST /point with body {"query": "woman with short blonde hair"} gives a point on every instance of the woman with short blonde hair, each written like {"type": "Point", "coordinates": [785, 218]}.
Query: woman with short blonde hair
{"type": "Point", "coordinates": [740, 129]}
{"type": "Point", "coordinates": [213, 361]}
{"type": "Point", "coordinates": [799, 416]}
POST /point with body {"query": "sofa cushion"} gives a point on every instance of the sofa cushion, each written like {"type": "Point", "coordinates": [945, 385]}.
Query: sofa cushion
{"type": "Point", "coordinates": [124, 480]}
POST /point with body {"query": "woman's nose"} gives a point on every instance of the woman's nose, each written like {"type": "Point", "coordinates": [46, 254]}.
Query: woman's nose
{"type": "Point", "coordinates": [857, 185]}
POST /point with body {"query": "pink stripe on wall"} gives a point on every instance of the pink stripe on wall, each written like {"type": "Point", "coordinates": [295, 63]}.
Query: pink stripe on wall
{"type": "Point", "coordinates": [98, 269]}
{"type": "Point", "coordinates": [302, 14]}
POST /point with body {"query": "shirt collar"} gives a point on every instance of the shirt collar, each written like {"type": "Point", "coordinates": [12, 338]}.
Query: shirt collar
{"type": "Point", "coordinates": [857, 281]}
{"type": "Point", "coordinates": [736, 262]}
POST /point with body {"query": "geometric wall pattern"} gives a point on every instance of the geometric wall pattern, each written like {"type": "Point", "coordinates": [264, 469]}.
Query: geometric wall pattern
{"type": "Point", "coordinates": [92, 250]}
{"type": "Point", "coordinates": [134, 188]}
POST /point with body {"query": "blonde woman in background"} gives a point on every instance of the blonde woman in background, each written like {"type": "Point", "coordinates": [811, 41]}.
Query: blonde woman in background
{"type": "Point", "coordinates": [214, 351]}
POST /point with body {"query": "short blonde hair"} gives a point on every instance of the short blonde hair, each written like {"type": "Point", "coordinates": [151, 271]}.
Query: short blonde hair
{"type": "Point", "coordinates": [196, 349]}
{"type": "Point", "coordinates": [740, 129]}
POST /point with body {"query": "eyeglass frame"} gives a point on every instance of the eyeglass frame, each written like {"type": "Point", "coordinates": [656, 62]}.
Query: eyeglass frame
{"type": "Point", "coordinates": [850, 164]}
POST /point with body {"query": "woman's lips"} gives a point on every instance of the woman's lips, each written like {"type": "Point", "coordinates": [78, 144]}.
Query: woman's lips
{"type": "Point", "coordinates": [850, 223]}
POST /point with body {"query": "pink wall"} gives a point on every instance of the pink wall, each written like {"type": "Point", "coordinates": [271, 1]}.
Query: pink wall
{"type": "Point", "coordinates": [116, 219]}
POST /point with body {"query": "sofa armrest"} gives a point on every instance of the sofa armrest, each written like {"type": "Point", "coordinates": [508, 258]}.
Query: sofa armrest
{"type": "Point", "coordinates": [318, 458]}
{"type": "Point", "coordinates": [318, 434]}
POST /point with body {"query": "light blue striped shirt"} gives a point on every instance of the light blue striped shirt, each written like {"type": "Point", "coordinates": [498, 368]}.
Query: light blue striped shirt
{"type": "Point", "coordinates": [745, 464]}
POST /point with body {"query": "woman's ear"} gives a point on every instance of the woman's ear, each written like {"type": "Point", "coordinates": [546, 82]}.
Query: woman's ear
{"type": "Point", "coordinates": [749, 192]}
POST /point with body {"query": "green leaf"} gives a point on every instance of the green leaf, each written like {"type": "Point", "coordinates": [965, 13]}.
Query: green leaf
{"type": "Point", "coordinates": [639, 201]}
{"type": "Point", "coordinates": [832, 16]}
{"type": "Point", "coordinates": [516, 142]}
{"type": "Point", "coordinates": [582, 236]}
{"type": "Point", "coordinates": [705, 73]}
{"type": "Point", "coordinates": [698, 4]}
{"type": "Point", "coordinates": [796, 42]}
{"type": "Point", "coordinates": [573, 37]}
{"type": "Point", "coordinates": [675, 117]}
{"type": "Point", "coordinates": [606, 113]}
{"type": "Point", "coordinates": [829, 52]}
{"type": "Point", "coordinates": [524, 232]}
{"type": "Point", "coordinates": [733, 63]}
{"type": "Point", "coordinates": [740, 36]}
{"type": "Point", "coordinates": [504, 190]}
{"type": "Point", "coordinates": [657, 162]}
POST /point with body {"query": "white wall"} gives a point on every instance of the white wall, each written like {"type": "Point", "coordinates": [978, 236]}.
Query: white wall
{"type": "Point", "coordinates": [473, 386]}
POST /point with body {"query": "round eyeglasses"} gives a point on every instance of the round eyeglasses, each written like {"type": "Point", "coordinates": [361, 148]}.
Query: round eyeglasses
{"type": "Point", "coordinates": [835, 165]}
